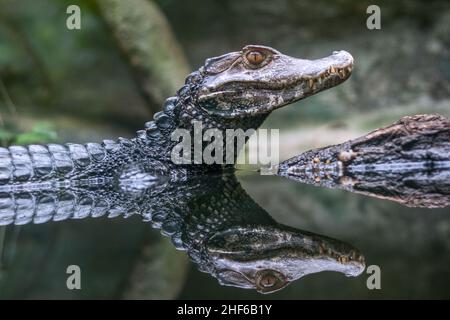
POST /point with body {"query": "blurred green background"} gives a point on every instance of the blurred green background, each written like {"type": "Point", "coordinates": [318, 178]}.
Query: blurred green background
{"type": "Point", "coordinates": [107, 79]}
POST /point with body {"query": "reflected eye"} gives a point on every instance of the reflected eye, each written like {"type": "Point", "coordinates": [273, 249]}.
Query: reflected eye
{"type": "Point", "coordinates": [269, 281]}
{"type": "Point", "coordinates": [255, 57]}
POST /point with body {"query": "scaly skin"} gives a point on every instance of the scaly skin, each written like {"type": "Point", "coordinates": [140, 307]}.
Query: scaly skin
{"type": "Point", "coordinates": [407, 162]}
{"type": "Point", "coordinates": [237, 90]}
{"type": "Point", "coordinates": [210, 216]}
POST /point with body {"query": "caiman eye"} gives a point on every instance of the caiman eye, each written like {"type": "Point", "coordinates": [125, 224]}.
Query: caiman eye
{"type": "Point", "coordinates": [255, 58]}
{"type": "Point", "coordinates": [269, 281]}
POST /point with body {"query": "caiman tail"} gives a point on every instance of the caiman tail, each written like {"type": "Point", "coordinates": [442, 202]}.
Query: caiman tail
{"type": "Point", "coordinates": [56, 162]}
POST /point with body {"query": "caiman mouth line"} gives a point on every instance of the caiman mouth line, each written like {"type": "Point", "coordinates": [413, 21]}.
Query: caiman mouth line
{"type": "Point", "coordinates": [339, 73]}
{"type": "Point", "coordinates": [311, 82]}
{"type": "Point", "coordinates": [256, 245]}
{"type": "Point", "coordinates": [321, 251]}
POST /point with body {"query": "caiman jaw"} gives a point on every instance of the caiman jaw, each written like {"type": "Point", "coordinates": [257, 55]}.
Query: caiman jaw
{"type": "Point", "coordinates": [233, 87]}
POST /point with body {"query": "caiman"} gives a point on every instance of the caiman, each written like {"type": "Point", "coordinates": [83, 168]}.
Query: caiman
{"type": "Point", "coordinates": [237, 90]}
{"type": "Point", "coordinates": [407, 162]}
{"type": "Point", "coordinates": [224, 232]}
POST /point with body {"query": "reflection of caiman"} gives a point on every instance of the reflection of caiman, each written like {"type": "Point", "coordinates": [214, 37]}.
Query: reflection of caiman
{"type": "Point", "coordinates": [408, 162]}
{"type": "Point", "coordinates": [237, 90]}
{"type": "Point", "coordinates": [223, 230]}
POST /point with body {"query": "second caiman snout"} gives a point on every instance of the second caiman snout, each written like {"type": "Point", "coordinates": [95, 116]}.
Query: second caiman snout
{"type": "Point", "coordinates": [259, 79]}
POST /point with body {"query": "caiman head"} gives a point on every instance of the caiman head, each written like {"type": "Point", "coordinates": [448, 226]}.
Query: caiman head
{"type": "Point", "coordinates": [239, 89]}
{"type": "Point", "coordinates": [267, 258]}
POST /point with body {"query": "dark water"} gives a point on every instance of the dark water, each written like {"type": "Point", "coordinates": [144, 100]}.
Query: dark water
{"type": "Point", "coordinates": [259, 234]}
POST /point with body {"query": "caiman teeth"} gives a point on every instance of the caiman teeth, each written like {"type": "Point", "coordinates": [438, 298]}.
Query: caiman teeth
{"type": "Point", "coordinates": [341, 72]}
